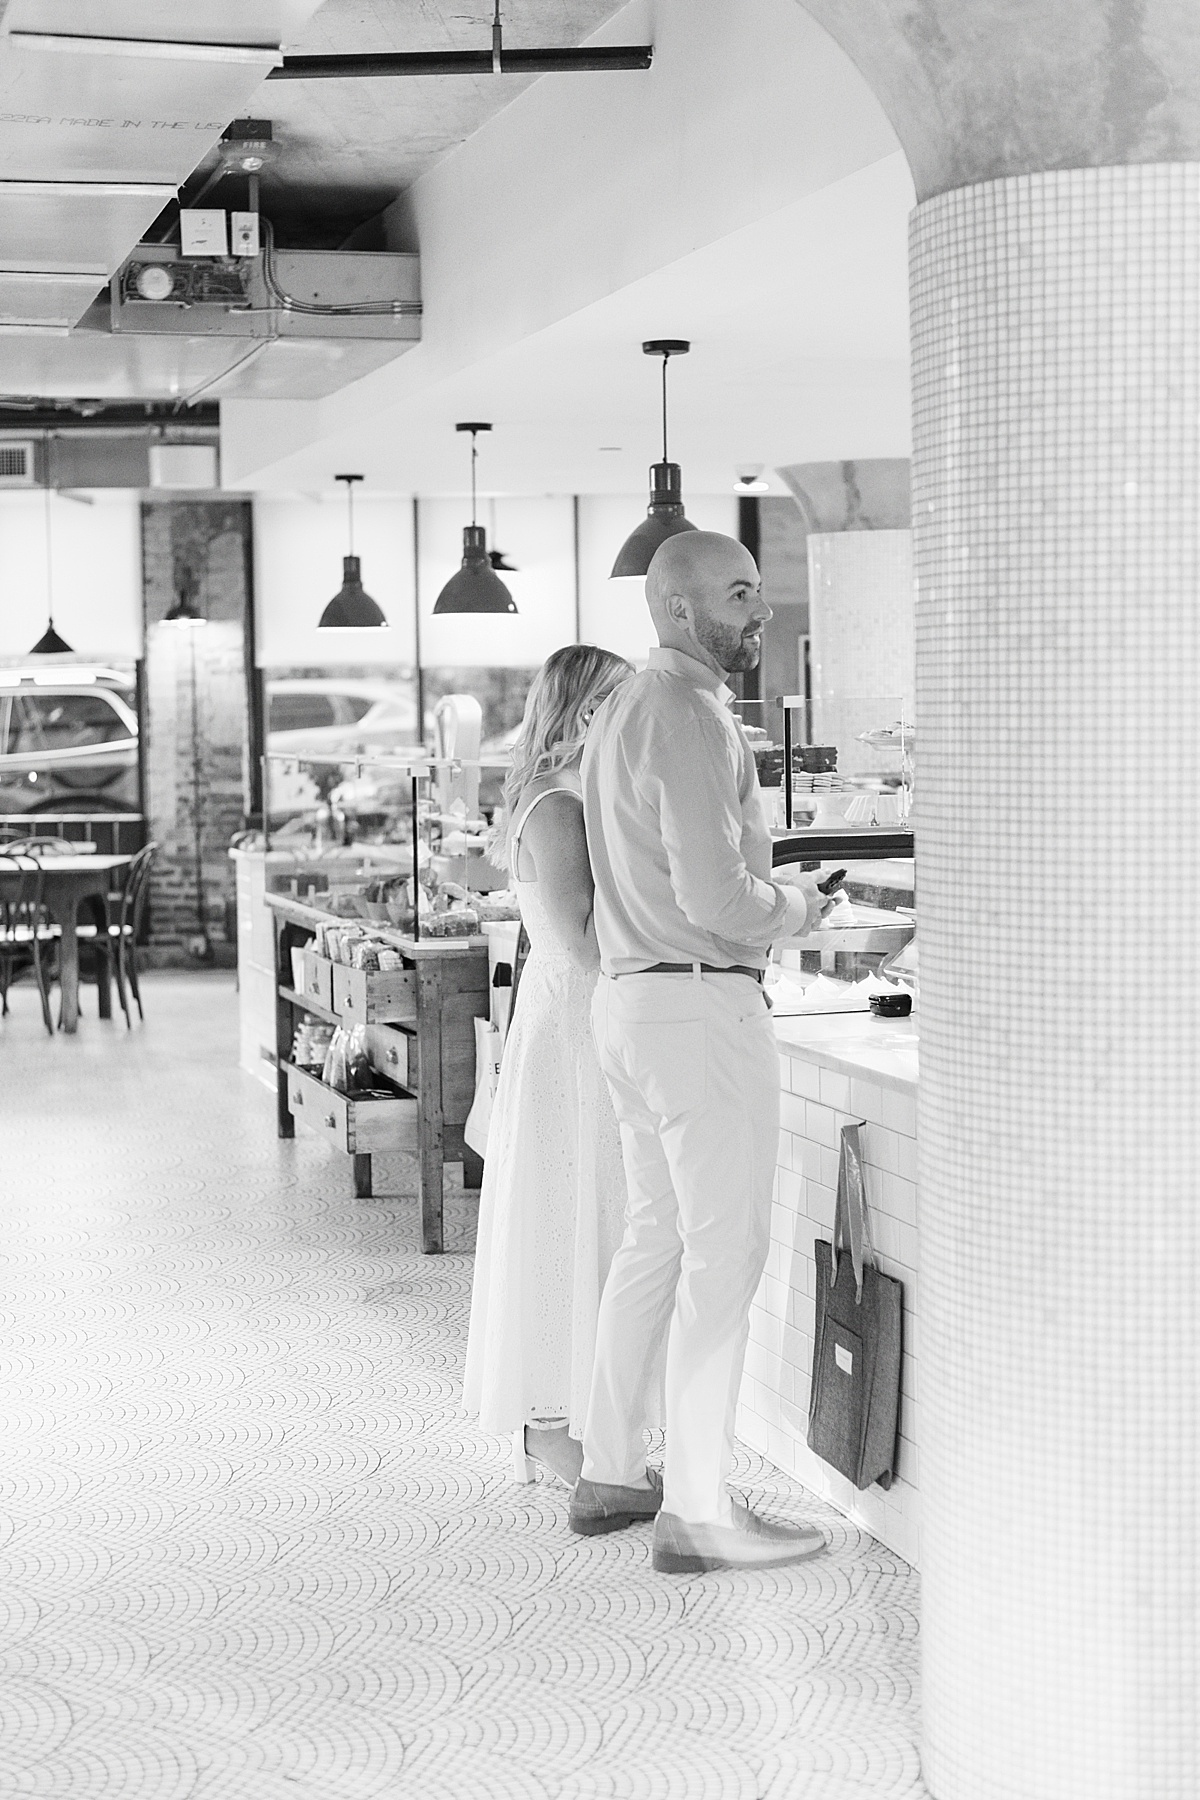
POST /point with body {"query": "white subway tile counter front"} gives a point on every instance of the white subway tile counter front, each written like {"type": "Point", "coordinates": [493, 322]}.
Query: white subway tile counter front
{"type": "Point", "coordinates": [834, 1068]}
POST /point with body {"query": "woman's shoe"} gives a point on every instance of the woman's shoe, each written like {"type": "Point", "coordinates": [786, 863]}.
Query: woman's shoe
{"type": "Point", "coordinates": [553, 1447]}
{"type": "Point", "coordinates": [524, 1468]}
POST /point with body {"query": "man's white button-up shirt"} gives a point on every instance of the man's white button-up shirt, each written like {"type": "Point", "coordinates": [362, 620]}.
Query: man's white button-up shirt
{"type": "Point", "coordinates": [677, 834]}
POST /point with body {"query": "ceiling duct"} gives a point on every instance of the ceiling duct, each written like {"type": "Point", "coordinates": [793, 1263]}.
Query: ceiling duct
{"type": "Point", "coordinates": [106, 106]}
{"type": "Point", "coordinates": [117, 456]}
{"type": "Point", "coordinates": [295, 324]}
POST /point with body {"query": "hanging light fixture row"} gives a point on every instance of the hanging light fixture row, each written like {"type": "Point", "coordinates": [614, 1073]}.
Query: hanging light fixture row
{"type": "Point", "coordinates": [664, 516]}
{"type": "Point", "coordinates": [351, 607]}
{"type": "Point", "coordinates": [476, 588]}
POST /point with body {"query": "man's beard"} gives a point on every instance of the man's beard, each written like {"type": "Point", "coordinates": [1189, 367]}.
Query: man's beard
{"type": "Point", "coordinates": [734, 650]}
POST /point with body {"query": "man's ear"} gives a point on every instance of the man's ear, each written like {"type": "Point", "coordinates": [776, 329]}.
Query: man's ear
{"type": "Point", "coordinates": [679, 609]}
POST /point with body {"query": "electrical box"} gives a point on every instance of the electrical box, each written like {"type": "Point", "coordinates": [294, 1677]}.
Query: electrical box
{"type": "Point", "coordinates": [203, 231]}
{"type": "Point", "coordinates": [183, 466]}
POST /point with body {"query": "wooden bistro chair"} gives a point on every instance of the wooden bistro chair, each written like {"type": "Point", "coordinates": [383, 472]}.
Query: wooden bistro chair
{"type": "Point", "coordinates": [27, 937]}
{"type": "Point", "coordinates": [120, 945]}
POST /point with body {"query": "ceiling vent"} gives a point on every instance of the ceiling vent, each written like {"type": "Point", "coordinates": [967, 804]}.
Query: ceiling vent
{"type": "Point", "coordinates": [17, 463]}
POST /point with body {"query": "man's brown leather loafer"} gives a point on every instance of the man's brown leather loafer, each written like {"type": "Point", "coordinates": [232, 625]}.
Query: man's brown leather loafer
{"type": "Point", "coordinates": [751, 1542]}
{"type": "Point", "coordinates": [597, 1506]}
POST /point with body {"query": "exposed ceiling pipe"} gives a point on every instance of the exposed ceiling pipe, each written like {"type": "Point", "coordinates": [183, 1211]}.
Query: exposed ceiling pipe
{"type": "Point", "coordinates": [373, 63]}
{"type": "Point", "coordinates": [496, 61]}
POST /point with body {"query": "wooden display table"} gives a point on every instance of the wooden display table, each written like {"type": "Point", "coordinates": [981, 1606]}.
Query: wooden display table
{"type": "Point", "coordinates": [420, 1030]}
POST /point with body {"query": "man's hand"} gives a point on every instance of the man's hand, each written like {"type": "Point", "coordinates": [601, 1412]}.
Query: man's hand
{"type": "Point", "coordinates": [806, 882]}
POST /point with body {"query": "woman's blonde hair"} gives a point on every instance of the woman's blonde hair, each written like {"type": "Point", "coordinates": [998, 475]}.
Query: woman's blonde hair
{"type": "Point", "coordinates": [564, 694]}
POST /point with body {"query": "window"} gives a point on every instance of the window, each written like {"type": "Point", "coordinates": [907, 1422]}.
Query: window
{"type": "Point", "coordinates": [41, 723]}
{"type": "Point", "coordinates": [301, 712]}
{"type": "Point", "coordinates": [354, 706]}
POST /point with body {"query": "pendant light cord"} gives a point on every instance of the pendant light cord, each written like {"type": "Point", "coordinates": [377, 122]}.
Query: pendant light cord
{"type": "Point", "coordinates": [666, 360]}
{"type": "Point", "coordinates": [349, 481]}
{"type": "Point", "coordinates": [474, 455]}
{"type": "Point", "coordinates": [49, 563]}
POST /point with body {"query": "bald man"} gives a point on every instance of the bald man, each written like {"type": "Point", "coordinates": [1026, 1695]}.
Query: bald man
{"type": "Point", "coordinates": [685, 909]}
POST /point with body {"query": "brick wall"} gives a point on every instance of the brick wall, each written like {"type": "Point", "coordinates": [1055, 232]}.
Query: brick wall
{"type": "Point", "coordinates": [195, 761]}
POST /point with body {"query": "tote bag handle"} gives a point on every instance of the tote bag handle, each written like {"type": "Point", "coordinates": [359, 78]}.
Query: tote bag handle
{"type": "Point", "coordinates": [850, 1222]}
{"type": "Point", "coordinates": [519, 960]}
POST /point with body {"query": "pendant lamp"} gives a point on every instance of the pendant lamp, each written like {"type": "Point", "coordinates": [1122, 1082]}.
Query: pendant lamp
{"type": "Point", "coordinates": [183, 613]}
{"type": "Point", "coordinates": [351, 606]}
{"type": "Point", "coordinates": [476, 588]}
{"type": "Point", "coordinates": [664, 516]}
{"type": "Point", "coordinates": [50, 644]}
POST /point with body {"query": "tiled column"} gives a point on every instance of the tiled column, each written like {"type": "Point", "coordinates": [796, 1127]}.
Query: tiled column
{"type": "Point", "coordinates": [1057, 523]}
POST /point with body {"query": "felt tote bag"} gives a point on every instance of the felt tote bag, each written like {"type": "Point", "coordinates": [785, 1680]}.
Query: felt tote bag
{"type": "Point", "coordinates": [855, 1404]}
{"type": "Point", "coordinates": [489, 1050]}
{"type": "Point", "coordinates": [489, 1047]}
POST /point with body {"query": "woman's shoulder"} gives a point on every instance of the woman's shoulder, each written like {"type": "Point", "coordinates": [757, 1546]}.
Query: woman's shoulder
{"type": "Point", "coordinates": [550, 807]}
{"type": "Point", "coordinates": [561, 781]}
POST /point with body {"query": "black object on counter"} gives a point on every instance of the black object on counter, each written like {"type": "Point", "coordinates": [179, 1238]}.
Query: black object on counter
{"type": "Point", "coordinates": [891, 1006]}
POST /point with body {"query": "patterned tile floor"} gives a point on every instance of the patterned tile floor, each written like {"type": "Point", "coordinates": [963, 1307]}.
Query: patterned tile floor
{"type": "Point", "coordinates": [250, 1549]}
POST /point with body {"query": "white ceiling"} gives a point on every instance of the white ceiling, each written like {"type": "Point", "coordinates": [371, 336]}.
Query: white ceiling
{"type": "Point", "coordinates": [799, 326]}
{"type": "Point", "coordinates": [349, 147]}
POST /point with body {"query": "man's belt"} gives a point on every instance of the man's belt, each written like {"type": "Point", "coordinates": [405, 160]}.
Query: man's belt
{"type": "Point", "coordinates": [687, 968]}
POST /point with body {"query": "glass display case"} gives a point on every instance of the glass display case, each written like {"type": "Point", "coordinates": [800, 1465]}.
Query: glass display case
{"type": "Point", "coordinates": [861, 774]}
{"type": "Point", "coordinates": [398, 840]}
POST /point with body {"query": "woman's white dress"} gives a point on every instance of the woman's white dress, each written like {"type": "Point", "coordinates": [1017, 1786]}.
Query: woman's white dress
{"type": "Point", "coordinates": [553, 1201]}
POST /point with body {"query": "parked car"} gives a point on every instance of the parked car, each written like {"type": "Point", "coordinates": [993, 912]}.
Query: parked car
{"type": "Point", "coordinates": [324, 716]}
{"type": "Point", "coordinates": [68, 740]}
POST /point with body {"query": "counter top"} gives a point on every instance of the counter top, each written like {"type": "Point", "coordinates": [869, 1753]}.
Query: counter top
{"type": "Point", "coordinates": [885, 1050]}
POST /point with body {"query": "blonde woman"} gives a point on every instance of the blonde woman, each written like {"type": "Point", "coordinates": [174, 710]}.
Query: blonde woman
{"type": "Point", "coordinates": [553, 1200]}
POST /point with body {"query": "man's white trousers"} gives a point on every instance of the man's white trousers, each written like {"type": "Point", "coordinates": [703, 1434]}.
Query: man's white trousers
{"type": "Point", "coordinates": [694, 1071]}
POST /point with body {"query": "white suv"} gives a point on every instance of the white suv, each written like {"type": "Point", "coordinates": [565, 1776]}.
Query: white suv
{"type": "Point", "coordinates": [325, 716]}
{"type": "Point", "coordinates": [68, 740]}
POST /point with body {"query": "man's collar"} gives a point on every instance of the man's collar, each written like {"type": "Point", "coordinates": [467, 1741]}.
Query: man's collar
{"type": "Point", "coordinates": [678, 662]}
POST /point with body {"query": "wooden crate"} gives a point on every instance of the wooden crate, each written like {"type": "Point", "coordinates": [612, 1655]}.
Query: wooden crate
{"type": "Point", "coordinates": [393, 1053]}
{"type": "Point", "coordinates": [363, 999]}
{"type": "Point", "coordinates": [356, 1125]}
{"type": "Point", "coordinates": [318, 978]}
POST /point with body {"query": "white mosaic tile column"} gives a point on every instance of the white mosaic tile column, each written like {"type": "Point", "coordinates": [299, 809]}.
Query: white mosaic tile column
{"type": "Point", "coordinates": [1056, 323]}
{"type": "Point", "coordinates": [861, 630]}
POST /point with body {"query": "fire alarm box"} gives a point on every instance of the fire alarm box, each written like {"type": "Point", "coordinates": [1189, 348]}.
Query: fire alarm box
{"type": "Point", "coordinates": [203, 231]}
{"type": "Point", "coordinates": [243, 233]}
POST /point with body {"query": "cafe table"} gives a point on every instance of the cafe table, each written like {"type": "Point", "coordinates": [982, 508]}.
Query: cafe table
{"type": "Point", "coordinates": [68, 882]}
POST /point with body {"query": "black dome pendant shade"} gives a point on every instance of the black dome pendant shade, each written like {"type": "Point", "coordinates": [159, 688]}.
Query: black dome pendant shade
{"type": "Point", "coordinates": [351, 607]}
{"type": "Point", "coordinates": [476, 587]}
{"type": "Point", "coordinates": [664, 516]}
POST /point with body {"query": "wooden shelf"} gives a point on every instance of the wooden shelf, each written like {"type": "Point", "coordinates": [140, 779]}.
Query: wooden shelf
{"type": "Point", "coordinates": [420, 1027]}
{"type": "Point", "coordinates": [309, 1006]}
